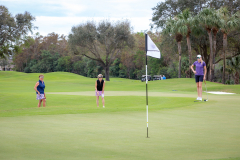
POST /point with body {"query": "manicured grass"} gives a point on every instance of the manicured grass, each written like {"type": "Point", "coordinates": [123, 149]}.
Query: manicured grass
{"type": "Point", "coordinates": [68, 82]}
{"type": "Point", "coordinates": [72, 127]}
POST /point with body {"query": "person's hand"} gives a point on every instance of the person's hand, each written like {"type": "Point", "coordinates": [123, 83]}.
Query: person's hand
{"type": "Point", "coordinates": [102, 91]}
{"type": "Point", "coordinates": [204, 78]}
{"type": "Point", "coordinates": [194, 72]}
{"type": "Point", "coordinates": [38, 93]}
{"type": "Point", "coordinates": [97, 93]}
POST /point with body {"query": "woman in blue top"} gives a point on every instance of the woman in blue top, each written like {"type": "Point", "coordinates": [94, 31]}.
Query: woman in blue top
{"type": "Point", "coordinates": [200, 74]}
{"type": "Point", "coordinates": [39, 88]}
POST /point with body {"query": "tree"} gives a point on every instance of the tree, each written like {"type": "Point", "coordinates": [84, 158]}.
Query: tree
{"type": "Point", "coordinates": [32, 48]}
{"type": "Point", "coordinates": [185, 23]}
{"type": "Point", "coordinates": [171, 8]}
{"type": "Point", "coordinates": [228, 23]}
{"type": "Point", "coordinates": [208, 19]}
{"type": "Point", "coordinates": [102, 42]}
{"type": "Point", "coordinates": [4, 62]}
{"type": "Point", "coordinates": [127, 59]}
{"type": "Point", "coordinates": [13, 29]}
{"type": "Point", "coordinates": [172, 28]}
{"type": "Point", "coordinates": [215, 30]}
{"type": "Point", "coordinates": [48, 63]}
{"type": "Point", "coordinates": [234, 65]}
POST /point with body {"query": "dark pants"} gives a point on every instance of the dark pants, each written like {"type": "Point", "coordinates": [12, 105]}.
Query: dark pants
{"type": "Point", "coordinates": [199, 78]}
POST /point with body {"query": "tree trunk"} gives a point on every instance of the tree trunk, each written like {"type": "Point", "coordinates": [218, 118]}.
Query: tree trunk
{"type": "Point", "coordinates": [107, 73]}
{"type": "Point", "coordinates": [206, 58]}
{"type": "Point", "coordinates": [189, 54]}
{"type": "Point", "coordinates": [214, 53]}
{"type": "Point", "coordinates": [211, 54]}
{"type": "Point", "coordinates": [236, 78]}
{"type": "Point", "coordinates": [224, 56]}
{"type": "Point", "coordinates": [179, 66]}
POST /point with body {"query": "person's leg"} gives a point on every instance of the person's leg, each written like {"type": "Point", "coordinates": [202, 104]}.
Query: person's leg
{"type": "Point", "coordinates": [200, 89]}
{"type": "Point", "coordinates": [200, 85]}
{"type": "Point", "coordinates": [103, 102]}
{"type": "Point", "coordinates": [97, 101]}
{"type": "Point", "coordinates": [197, 80]}
{"type": "Point", "coordinates": [39, 103]}
{"type": "Point", "coordinates": [44, 102]}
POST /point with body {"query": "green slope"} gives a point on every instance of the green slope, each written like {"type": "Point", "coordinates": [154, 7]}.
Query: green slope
{"type": "Point", "coordinates": [72, 127]}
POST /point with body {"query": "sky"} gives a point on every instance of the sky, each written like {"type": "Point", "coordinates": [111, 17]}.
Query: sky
{"type": "Point", "coordinates": [60, 15]}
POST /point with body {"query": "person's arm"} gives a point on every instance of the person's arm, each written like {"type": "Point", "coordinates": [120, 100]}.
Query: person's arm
{"type": "Point", "coordinates": [103, 87]}
{"type": "Point", "coordinates": [45, 96]}
{"type": "Point", "coordinates": [96, 86]}
{"type": "Point", "coordinates": [205, 73]}
{"type": "Point", "coordinates": [193, 69]}
{"type": "Point", "coordinates": [35, 87]}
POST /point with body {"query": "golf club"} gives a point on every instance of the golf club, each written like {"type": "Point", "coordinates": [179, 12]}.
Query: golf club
{"type": "Point", "coordinates": [206, 91]}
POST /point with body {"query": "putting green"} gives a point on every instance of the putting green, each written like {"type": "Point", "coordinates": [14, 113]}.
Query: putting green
{"type": "Point", "coordinates": [72, 127]}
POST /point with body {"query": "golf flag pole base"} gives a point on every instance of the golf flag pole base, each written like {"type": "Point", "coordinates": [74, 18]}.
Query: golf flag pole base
{"type": "Point", "coordinates": [147, 133]}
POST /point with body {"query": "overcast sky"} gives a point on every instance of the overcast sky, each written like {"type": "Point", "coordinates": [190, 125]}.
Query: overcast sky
{"type": "Point", "coordinates": [60, 15]}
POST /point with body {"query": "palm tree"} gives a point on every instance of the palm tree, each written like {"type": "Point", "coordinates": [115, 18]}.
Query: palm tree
{"type": "Point", "coordinates": [228, 23]}
{"type": "Point", "coordinates": [234, 65]}
{"type": "Point", "coordinates": [215, 29]}
{"type": "Point", "coordinates": [172, 29]}
{"type": "Point", "coordinates": [184, 24]}
{"type": "Point", "coordinates": [209, 19]}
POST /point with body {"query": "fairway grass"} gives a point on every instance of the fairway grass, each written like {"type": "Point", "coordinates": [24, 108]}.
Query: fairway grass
{"type": "Point", "coordinates": [72, 127]}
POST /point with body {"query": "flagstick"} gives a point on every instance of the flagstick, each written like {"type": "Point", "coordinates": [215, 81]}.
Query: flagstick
{"type": "Point", "coordinates": [146, 83]}
{"type": "Point", "coordinates": [153, 51]}
{"type": "Point", "coordinates": [147, 96]}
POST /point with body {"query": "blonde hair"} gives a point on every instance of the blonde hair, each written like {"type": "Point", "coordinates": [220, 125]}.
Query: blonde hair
{"type": "Point", "coordinates": [201, 60]}
{"type": "Point", "coordinates": [100, 76]}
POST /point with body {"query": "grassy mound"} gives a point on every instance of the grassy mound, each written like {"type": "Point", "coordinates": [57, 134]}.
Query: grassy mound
{"type": "Point", "coordinates": [72, 127]}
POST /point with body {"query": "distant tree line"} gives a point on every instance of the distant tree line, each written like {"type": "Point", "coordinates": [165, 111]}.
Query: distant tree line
{"type": "Point", "coordinates": [206, 27]}
{"type": "Point", "coordinates": [39, 54]}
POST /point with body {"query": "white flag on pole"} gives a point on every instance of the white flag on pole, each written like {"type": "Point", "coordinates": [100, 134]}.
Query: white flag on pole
{"type": "Point", "coordinates": [152, 49]}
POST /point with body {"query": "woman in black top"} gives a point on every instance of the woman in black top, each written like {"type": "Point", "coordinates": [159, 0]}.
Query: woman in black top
{"type": "Point", "coordinates": [99, 89]}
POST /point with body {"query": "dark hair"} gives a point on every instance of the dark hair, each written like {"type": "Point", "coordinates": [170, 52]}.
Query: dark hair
{"type": "Point", "coordinates": [41, 75]}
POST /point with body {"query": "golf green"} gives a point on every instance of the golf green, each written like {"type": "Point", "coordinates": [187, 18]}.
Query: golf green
{"type": "Point", "coordinates": [72, 127]}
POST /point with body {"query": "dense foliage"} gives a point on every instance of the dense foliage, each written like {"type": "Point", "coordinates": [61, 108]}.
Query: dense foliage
{"type": "Point", "coordinates": [207, 27]}
{"type": "Point", "coordinates": [13, 29]}
{"type": "Point", "coordinates": [187, 28]}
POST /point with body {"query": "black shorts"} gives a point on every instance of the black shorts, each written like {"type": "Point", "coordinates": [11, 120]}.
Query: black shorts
{"type": "Point", "coordinates": [199, 78]}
